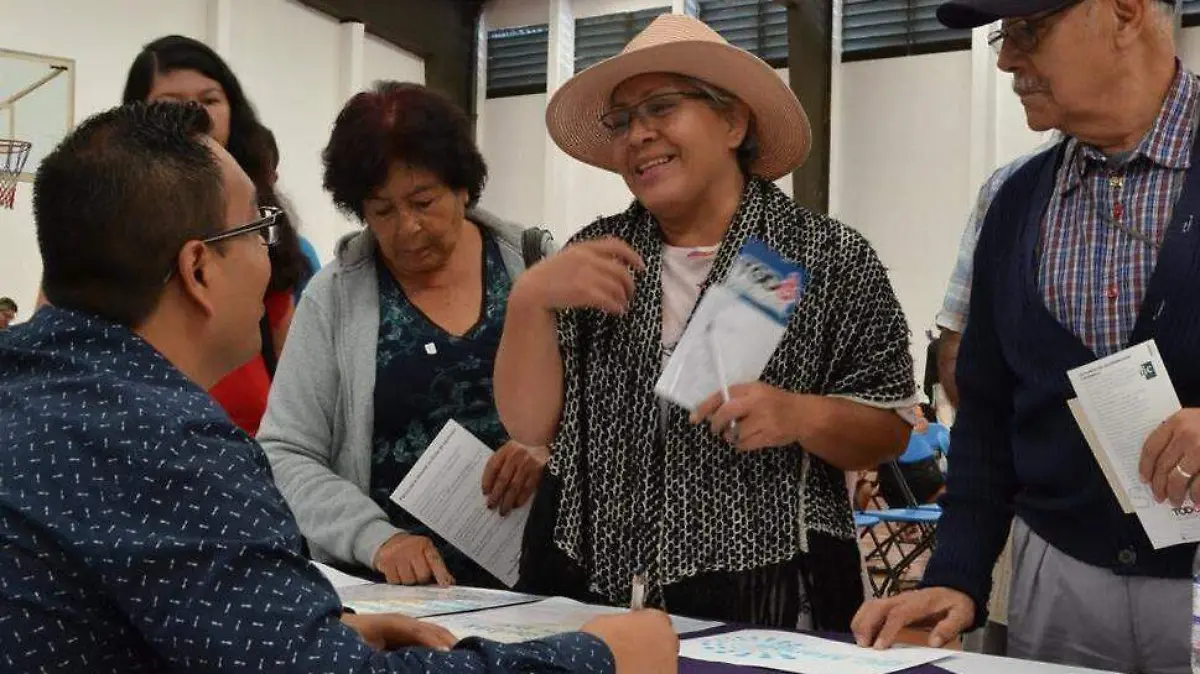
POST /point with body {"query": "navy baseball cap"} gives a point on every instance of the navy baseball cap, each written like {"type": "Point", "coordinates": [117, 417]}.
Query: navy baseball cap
{"type": "Point", "coordinates": [973, 13]}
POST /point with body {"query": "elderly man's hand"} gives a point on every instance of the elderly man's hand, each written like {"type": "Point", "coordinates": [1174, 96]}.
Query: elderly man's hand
{"type": "Point", "coordinates": [1171, 458]}
{"type": "Point", "coordinates": [879, 622]}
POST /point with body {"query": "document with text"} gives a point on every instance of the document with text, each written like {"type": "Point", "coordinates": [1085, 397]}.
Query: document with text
{"type": "Point", "coordinates": [420, 601]}
{"type": "Point", "coordinates": [445, 491]}
{"type": "Point", "coordinates": [1124, 397]}
{"type": "Point", "coordinates": [545, 618]}
{"type": "Point", "coordinates": [803, 653]}
{"type": "Point", "coordinates": [338, 578]}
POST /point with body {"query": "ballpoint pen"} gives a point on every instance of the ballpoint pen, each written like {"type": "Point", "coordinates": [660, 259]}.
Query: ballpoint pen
{"type": "Point", "coordinates": [637, 599]}
{"type": "Point", "coordinates": [722, 379]}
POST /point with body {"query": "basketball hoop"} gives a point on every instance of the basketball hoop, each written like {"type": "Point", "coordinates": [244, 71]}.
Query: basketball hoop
{"type": "Point", "coordinates": [13, 154]}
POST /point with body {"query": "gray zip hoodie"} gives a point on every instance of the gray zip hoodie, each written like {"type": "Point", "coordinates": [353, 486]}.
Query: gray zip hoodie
{"type": "Point", "coordinates": [317, 431]}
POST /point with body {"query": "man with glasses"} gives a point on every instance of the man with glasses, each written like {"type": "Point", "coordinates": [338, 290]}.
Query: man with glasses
{"type": "Point", "coordinates": [140, 529]}
{"type": "Point", "coordinates": [1087, 248]}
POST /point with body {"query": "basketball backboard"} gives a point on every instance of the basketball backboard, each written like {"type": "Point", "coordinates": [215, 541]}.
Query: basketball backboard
{"type": "Point", "coordinates": [37, 102]}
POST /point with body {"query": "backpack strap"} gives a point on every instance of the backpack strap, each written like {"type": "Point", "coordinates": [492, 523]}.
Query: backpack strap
{"type": "Point", "coordinates": [268, 346]}
{"type": "Point", "coordinates": [532, 248]}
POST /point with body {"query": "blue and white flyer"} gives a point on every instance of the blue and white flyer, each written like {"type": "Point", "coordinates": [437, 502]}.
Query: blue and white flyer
{"type": "Point", "coordinates": [736, 327]}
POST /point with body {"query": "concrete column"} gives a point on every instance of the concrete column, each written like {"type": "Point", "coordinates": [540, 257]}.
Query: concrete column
{"type": "Point", "coordinates": [689, 7]}
{"type": "Point", "coordinates": [560, 66]}
{"type": "Point", "coordinates": [218, 22]}
{"type": "Point", "coordinates": [810, 64]}
{"type": "Point", "coordinates": [352, 36]}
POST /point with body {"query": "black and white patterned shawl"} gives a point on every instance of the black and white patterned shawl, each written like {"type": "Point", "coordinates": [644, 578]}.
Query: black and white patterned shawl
{"type": "Point", "coordinates": [688, 503]}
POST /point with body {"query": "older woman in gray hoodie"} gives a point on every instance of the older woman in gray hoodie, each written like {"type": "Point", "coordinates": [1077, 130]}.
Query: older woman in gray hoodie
{"type": "Point", "coordinates": [396, 337]}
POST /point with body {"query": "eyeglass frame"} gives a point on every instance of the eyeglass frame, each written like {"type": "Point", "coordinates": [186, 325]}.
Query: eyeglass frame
{"type": "Point", "coordinates": [266, 221]}
{"type": "Point", "coordinates": [1030, 26]}
{"type": "Point", "coordinates": [637, 110]}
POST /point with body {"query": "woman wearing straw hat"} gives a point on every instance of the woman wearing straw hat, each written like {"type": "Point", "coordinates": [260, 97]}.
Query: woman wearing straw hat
{"type": "Point", "coordinates": [756, 527]}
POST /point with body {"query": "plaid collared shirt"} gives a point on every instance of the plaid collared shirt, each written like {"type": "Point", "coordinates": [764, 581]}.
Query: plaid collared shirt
{"type": "Point", "coordinates": [1106, 221]}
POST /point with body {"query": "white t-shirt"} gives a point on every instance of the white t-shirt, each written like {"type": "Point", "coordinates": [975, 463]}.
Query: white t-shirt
{"type": "Point", "coordinates": [683, 273]}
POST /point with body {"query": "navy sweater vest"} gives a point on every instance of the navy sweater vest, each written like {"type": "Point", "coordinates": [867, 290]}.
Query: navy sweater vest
{"type": "Point", "coordinates": [1015, 446]}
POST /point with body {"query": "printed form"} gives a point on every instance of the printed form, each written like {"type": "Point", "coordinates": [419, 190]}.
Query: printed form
{"type": "Point", "coordinates": [445, 491]}
{"type": "Point", "coordinates": [1124, 397]}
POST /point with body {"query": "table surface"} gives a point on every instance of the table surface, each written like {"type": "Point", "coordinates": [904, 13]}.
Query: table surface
{"type": "Point", "coordinates": [974, 663]}
{"type": "Point", "coordinates": [958, 663]}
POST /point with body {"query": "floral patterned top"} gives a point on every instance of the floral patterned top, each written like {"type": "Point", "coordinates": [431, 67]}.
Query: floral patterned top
{"type": "Point", "coordinates": [425, 377]}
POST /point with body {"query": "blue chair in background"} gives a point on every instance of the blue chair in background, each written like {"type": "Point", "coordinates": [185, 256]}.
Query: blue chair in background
{"type": "Point", "coordinates": [905, 532]}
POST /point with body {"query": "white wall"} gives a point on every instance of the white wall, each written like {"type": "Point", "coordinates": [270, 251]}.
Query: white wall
{"type": "Point", "coordinates": [902, 137]}
{"type": "Point", "coordinates": [294, 89]}
{"type": "Point", "coordinates": [514, 147]}
{"type": "Point", "coordinates": [383, 61]}
{"type": "Point", "coordinates": [1189, 48]}
{"type": "Point", "coordinates": [515, 13]}
{"type": "Point", "coordinates": [587, 8]}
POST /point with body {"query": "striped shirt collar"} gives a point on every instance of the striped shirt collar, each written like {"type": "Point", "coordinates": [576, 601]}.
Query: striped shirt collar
{"type": "Point", "coordinates": [1168, 143]}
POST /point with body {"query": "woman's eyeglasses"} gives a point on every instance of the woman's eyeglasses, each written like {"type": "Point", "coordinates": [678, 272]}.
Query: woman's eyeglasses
{"type": "Point", "coordinates": [659, 106]}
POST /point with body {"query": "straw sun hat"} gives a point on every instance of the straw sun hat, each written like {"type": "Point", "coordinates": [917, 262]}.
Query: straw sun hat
{"type": "Point", "coordinates": [679, 44]}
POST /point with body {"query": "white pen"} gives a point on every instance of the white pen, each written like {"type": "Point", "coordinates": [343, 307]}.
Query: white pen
{"type": "Point", "coordinates": [637, 600]}
{"type": "Point", "coordinates": [722, 379]}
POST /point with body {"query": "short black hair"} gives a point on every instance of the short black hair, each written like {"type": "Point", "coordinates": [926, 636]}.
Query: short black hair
{"type": "Point", "coordinates": [249, 139]}
{"type": "Point", "coordinates": [115, 202]}
{"type": "Point", "coordinates": [8, 303]}
{"type": "Point", "coordinates": [399, 122]}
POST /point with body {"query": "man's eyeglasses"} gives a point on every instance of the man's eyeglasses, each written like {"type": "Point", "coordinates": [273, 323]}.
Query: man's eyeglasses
{"type": "Point", "coordinates": [659, 106]}
{"type": "Point", "coordinates": [1024, 34]}
{"type": "Point", "coordinates": [265, 226]}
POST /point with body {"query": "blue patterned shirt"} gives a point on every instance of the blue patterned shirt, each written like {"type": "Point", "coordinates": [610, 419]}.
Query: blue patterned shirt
{"type": "Point", "coordinates": [140, 530]}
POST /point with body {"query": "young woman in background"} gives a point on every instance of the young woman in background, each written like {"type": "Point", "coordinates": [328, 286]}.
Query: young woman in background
{"type": "Point", "coordinates": [182, 69]}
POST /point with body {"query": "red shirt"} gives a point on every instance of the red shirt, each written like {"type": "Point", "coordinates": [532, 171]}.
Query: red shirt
{"type": "Point", "coordinates": [243, 392]}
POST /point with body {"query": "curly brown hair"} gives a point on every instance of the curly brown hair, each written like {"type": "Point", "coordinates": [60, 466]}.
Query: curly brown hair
{"type": "Point", "coordinates": [399, 122]}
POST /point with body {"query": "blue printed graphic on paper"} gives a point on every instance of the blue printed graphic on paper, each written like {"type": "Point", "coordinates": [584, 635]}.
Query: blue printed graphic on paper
{"type": "Point", "coordinates": [761, 277]}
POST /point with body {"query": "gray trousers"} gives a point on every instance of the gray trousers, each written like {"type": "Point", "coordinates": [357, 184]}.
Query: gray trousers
{"type": "Point", "coordinates": [1064, 611]}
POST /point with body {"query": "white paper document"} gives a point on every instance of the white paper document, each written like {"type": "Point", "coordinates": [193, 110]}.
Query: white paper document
{"type": "Point", "coordinates": [445, 491]}
{"type": "Point", "coordinates": [1124, 397]}
{"type": "Point", "coordinates": [426, 600]}
{"type": "Point", "coordinates": [803, 654]}
{"type": "Point", "coordinates": [339, 579]}
{"type": "Point", "coordinates": [1106, 465]}
{"type": "Point", "coordinates": [542, 619]}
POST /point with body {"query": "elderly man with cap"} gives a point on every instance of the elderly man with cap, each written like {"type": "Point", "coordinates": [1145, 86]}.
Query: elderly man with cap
{"type": "Point", "coordinates": [1087, 248]}
{"type": "Point", "coordinates": [756, 527]}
